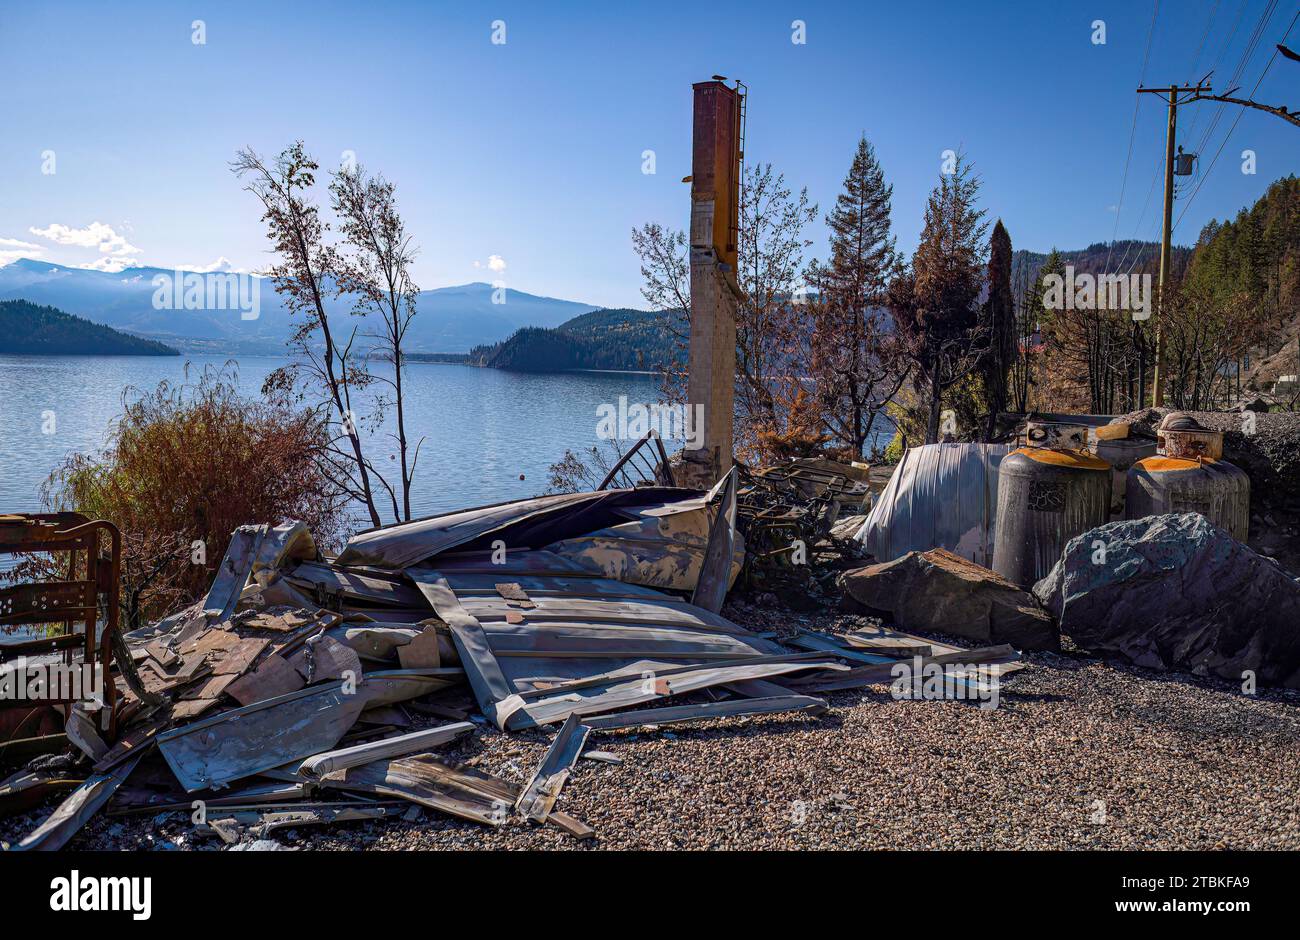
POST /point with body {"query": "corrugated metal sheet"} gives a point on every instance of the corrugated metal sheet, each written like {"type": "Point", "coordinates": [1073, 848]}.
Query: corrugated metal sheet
{"type": "Point", "coordinates": [523, 523]}
{"type": "Point", "coordinates": [588, 645]}
{"type": "Point", "coordinates": [940, 496]}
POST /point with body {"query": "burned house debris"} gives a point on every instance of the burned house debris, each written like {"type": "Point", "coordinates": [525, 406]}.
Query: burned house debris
{"type": "Point", "coordinates": [284, 697]}
{"type": "Point", "coordinates": [309, 689]}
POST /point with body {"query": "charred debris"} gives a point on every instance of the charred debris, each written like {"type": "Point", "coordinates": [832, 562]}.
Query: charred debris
{"type": "Point", "coordinates": [308, 689]}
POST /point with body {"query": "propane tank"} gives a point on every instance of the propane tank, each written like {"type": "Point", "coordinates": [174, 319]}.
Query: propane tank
{"type": "Point", "coordinates": [1189, 475]}
{"type": "Point", "coordinates": [1045, 498]}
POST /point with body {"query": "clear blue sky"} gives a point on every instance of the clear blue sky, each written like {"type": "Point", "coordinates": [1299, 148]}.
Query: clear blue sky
{"type": "Point", "coordinates": [531, 151]}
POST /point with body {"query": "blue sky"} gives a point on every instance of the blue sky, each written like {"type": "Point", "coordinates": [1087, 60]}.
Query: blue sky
{"type": "Point", "coordinates": [531, 151]}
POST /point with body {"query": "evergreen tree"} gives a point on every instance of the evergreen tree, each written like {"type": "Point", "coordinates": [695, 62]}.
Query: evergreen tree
{"type": "Point", "coordinates": [1000, 318]}
{"type": "Point", "coordinates": [851, 353]}
{"type": "Point", "coordinates": [935, 305]}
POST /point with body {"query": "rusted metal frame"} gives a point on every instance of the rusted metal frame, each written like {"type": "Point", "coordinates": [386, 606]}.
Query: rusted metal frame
{"type": "Point", "coordinates": [49, 644]}
{"type": "Point", "coordinates": [102, 575]}
{"type": "Point", "coordinates": [681, 714]}
{"type": "Point", "coordinates": [661, 477]}
{"type": "Point", "coordinates": [539, 795]}
{"type": "Point", "coordinates": [51, 602]}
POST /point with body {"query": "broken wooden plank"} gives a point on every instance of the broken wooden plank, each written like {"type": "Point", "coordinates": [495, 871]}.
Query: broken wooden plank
{"type": "Point", "coordinates": [191, 708]}
{"type": "Point", "coordinates": [460, 790]}
{"type": "Point", "coordinates": [421, 652]}
{"type": "Point", "coordinates": [133, 743]}
{"type": "Point", "coordinates": [212, 687]}
{"type": "Point", "coordinates": [236, 660]}
{"type": "Point", "coordinates": [574, 827]}
{"type": "Point", "coordinates": [209, 641]}
{"type": "Point", "coordinates": [272, 678]}
{"type": "Point", "coordinates": [162, 654]}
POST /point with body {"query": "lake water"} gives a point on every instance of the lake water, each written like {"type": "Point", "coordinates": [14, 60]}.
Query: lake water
{"type": "Point", "coordinates": [484, 428]}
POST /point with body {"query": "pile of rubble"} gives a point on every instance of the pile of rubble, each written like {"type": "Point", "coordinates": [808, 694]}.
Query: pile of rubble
{"type": "Point", "coordinates": [798, 520]}
{"type": "Point", "coordinates": [307, 689]}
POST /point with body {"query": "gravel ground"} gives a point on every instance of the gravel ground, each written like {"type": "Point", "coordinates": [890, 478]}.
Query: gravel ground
{"type": "Point", "coordinates": [1079, 754]}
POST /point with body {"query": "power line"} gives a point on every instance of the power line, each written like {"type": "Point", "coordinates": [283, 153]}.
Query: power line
{"type": "Point", "coordinates": [1204, 36]}
{"type": "Point", "coordinates": [1214, 11]}
{"type": "Point", "coordinates": [1247, 53]}
{"type": "Point", "coordinates": [1119, 206]}
{"type": "Point", "coordinates": [1142, 215]}
{"type": "Point", "coordinates": [1204, 176]}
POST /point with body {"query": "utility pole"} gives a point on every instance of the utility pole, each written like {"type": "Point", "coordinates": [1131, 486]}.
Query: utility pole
{"type": "Point", "coordinates": [1174, 95]}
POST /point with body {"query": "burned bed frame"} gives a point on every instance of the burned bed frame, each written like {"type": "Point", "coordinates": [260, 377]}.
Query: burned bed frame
{"type": "Point", "coordinates": [68, 603]}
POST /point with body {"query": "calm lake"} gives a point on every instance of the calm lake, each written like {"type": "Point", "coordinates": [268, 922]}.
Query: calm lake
{"type": "Point", "coordinates": [483, 428]}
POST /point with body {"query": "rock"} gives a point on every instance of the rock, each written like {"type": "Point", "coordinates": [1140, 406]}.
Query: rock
{"type": "Point", "coordinates": [260, 845]}
{"type": "Point", "coordinates": [1175, 592]}
{"type": "Point", "coordinates": [848, 526]}
{"type": "Point", "coordinates": [940, 592]}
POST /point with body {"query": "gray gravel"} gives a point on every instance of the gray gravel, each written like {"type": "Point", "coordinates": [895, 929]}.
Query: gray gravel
{"type": "Point", "coordinates": [1080, 754]}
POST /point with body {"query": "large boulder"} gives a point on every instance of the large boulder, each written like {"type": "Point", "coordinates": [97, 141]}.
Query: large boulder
{"type": "Point", "coordinates": [1175, 592]}
{"type": "Point", "coordinates": [940, 592]}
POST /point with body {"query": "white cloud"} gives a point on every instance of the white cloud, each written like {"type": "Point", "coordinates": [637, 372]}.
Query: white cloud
{"type": "Point", "coordinates": [222, 264]}
{"type": "Point", "coordinates": [11, 249]}
{"type": "Point", "coordinates": [495, 264]}
{"type": "Point", "coordinates": [112, 265]}
{"type": "Point", "coordinates": [95, 235]}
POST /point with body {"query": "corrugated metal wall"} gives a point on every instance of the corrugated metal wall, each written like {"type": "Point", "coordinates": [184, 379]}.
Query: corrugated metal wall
{"type": "Point", "coordinates": [940, 496]}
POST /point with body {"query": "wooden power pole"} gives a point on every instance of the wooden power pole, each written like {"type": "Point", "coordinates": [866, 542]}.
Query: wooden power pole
{"type": "Point", "coordinates": [1174, 95]}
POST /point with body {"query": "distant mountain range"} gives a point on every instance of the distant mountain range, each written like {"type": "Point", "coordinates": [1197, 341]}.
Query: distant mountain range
{"type": "Point", "coordinates": [1128, 256]}
{"type": "Point", "coordinates": [27, 328]}
{"type": "Point", "coordinates": [450, 319]}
